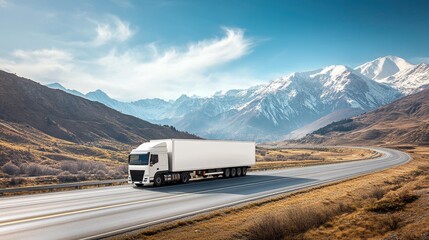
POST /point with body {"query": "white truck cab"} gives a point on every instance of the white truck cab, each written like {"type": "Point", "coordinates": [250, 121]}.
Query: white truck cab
{"type": "Point", "coordinates": [146, 160]}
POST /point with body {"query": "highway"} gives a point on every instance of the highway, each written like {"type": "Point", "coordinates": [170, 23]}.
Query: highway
{"type": "Point", "coordinates": [100, 212]}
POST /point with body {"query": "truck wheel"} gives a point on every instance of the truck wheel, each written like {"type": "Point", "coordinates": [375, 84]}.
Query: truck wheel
{"type": "Point", "coordinates": [184, 177]}
{"type": "Point", "coordinates": [244, 171]}
{"type": "Point", "coordinates": [226, 173]}
{"type": "Point", "coordinates": [238, 172]}
{"type": "Point", "coordinates": [233, 172]}
{"type": "Point", "coordinates": [158, 180]}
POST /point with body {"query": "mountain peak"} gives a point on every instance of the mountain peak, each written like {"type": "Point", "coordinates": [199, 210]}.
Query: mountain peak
{"type": "Point", "coordinates": [56, 86]}
{"type": "Point", "coordinates": [383, 67]}
{"type": "Point", "coordinates": [335, 69]}
{"type": "Point", "coordinates": [98, 94]}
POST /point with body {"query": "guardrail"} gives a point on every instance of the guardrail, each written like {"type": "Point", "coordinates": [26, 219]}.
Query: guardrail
{"type": "Point", "coordinates": [62, 185]}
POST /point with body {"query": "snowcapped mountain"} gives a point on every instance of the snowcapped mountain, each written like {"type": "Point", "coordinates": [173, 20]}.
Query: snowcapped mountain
{"type": "Point", "coordinates": [297, 102]}
{"type": "Point", "coordinates": [410, 80]}
{"type": "Point", "coordinates": [398, 73]}
{"type": "Point", "coordinates": [383, 67]}
{"type": "Point", "coordinates": [272, 110]}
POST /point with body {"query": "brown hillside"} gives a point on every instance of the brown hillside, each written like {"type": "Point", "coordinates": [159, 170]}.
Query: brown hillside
{"type": "Point", "coordinates": [405, 121]}
{"type": "Point", "coordinates": [72, 118]}
{"type": "Point", "coordinates": [49, 136]}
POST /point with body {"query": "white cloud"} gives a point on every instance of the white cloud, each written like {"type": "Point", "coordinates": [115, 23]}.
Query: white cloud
{"type": "Point", "coordinates": [174, 71]}
{"type": "Point", "coordinates": [113, 30]}
{"type": "Point", "coordinates": [3, 3]}
{"type": "Point", "coordinates": [43, 54]}
{"type": "Point", "coordinates": [142, 72]}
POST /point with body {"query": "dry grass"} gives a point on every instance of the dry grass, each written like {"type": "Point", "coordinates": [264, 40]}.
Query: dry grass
{"type": "Point", "coordinates": [294, 221]}
{"type": "Point", "coordinates": [268, 158]}
{"type": "Point", "coordinates": [39, 159]}
{"type": "Point", "coordinates": [342, 211]}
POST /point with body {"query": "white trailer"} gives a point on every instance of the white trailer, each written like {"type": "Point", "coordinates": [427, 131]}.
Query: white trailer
{"type": "Point", "coordinates": [178, 160]}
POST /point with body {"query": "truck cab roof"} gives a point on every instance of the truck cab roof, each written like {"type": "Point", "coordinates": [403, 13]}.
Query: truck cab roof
{"type": "Point", "coordinates": [150, 147]}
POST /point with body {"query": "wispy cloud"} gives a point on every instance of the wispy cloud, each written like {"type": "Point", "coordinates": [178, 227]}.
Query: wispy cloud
{"type": "Point", "coordinates": [148, 71]}
{"type": "Point", "coordinates": [44, 65]}
{"type": "Point", "coordinates": [114, 29]}
{"type": "Point", "coordinates": [43, 54]}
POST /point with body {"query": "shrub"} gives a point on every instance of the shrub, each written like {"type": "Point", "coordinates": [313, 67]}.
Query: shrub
{"type": "Point", "coordinates": [123, 169]}
{"type": "Point", "coordinates": [10, 169]}
{"type": "Point", "coordinates": [377, 193]}
{"type": "Point", "coordinates": [394, 203]}
{"type": "Point", "coordinates": [81, 176]}
{"type": "Point", "coordinates": [391, 221]}
{"type": "Point", "coordinates": [115, 174]}
{"type": "Point", "coordinates": [97, 166]}
{"type": "Point", "coordinates": [34, 169]}
{"type": "Point", "coordinates": [88, 166]}
{"type": "Point", "coordinates": [268, 227]}
{"type": "Point", "coordinates": [69, 166]}
{"type": "Point", "coordinates": [100, 175]}
{"type": "Point", "coordinates": [16, 181]}
{"type": "Point", "coordinates": [67, 177]}
{"type": "Point", "coordinates": [293, 222]}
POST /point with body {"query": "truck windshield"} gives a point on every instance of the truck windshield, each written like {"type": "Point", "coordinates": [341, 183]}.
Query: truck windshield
{"type": "Point", "coordinates": [138, 159]}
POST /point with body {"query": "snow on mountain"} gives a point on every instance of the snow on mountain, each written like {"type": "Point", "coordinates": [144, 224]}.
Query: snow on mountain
{"type": "Point", "coordinates": [383, 67]}
{"type": "Point", "coordinates": [410, 80]}
{"type": "Point", "coordinates": [271, 110]}
{"type": "Point", "coordinates": [398, 73]}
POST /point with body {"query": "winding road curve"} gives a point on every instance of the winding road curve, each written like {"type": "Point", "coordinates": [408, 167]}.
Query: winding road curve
{"type": "Point", "coordinates": [101, 212]}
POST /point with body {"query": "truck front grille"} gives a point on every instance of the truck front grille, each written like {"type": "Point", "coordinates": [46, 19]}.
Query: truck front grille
{"type": "Point", "coordinates": [137, 175]}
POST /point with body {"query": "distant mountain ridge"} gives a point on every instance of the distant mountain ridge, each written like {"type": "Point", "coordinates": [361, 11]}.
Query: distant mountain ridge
{"type": "Point", "coordinates": [272, 111]}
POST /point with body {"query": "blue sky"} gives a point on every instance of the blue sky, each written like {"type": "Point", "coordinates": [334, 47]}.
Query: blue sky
{"type": "Point", "coordinates": [145, 49]}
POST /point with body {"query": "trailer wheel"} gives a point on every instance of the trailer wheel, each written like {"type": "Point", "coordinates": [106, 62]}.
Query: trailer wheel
{"type": "Point", "coordinates": [226, 173]}
{"type": "Point", "coordinates": [238, 172]}
{"type": "Point", "coordinates": [233, 172]}
{"type": "Point", "coordinates": [184, 177]}
{"type": "Point", "coordinates": [244, 171]}
{"type": "Point", "coordinates": [158, 180]}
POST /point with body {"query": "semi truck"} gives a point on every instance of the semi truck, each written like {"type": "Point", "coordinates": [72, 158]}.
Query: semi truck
{"type": "Point", "coordinates": [178, 160]}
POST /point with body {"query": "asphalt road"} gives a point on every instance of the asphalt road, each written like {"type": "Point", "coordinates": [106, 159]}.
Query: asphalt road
{"type": "Point", "coordinates": [100, 212]}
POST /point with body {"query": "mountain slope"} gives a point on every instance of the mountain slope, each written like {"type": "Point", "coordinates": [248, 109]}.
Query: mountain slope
{"type": "Point", "coordinates": [403, 121]}
{"type": "Point", "coordinates": [411, 80]}
{"type": "Point", "coordinates": [72, 118]}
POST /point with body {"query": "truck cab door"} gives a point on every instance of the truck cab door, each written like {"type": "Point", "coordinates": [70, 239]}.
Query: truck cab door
{"type": "Point", "coordinates": [158, 162]}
